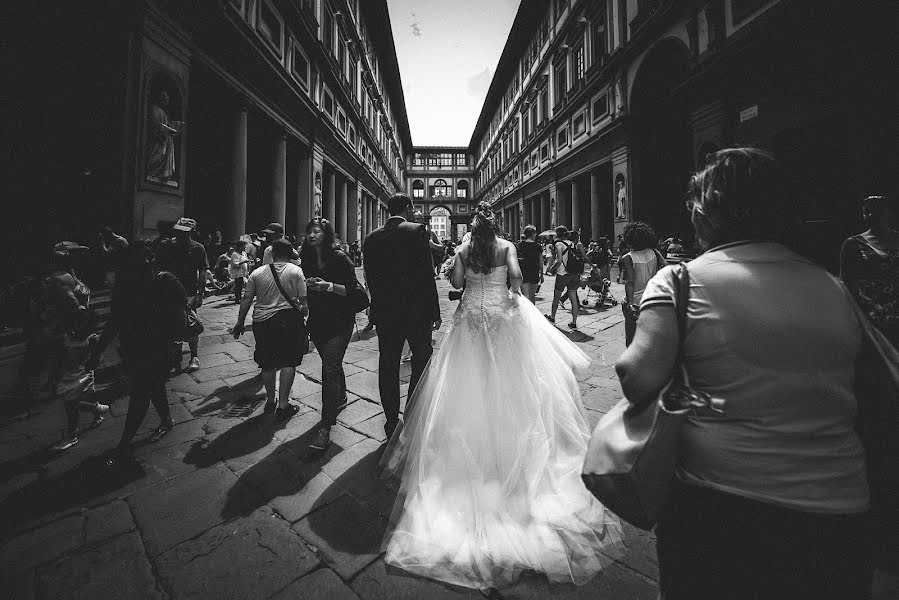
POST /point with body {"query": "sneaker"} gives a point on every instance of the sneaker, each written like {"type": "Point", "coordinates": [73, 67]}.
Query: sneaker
{"type": "Point", "coordinates": [550, 319]}
{"type": "Point", "coordinates": [194, 365]}
{"type": "Point", "coordinates": [321, 440]}
{"type": "Point", "coordinates": [163, 430]}
{"type": "Point", "coordinates": [572, 326]}
{"type": "Point", "coordinates": [283, 414]}
{"type": "Point", "coordinates": [66, 442]}
{"type": "Point", "coordinates": [100, 412]}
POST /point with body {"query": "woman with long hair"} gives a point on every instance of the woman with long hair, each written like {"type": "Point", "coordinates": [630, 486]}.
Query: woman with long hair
{"type": "Point", "coordinates": [637, 267]}
{"type": "Point", "coordinates": [495, 437]}
{"type": "Point", "coordinates": [330, 277]}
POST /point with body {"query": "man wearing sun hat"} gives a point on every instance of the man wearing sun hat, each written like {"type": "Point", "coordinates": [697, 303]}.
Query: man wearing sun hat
{"type": "Point", "coordinates": [186, 259]}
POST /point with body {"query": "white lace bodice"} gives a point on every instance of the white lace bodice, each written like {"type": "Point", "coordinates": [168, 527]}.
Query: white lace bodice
{"type": "Point", "coordinates": [487, 303]}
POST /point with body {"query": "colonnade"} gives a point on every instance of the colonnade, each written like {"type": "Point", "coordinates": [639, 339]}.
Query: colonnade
{"type": "Point", "coordinates": [353, 211]}
{"type": "Point", "coordinates": [563, 203]}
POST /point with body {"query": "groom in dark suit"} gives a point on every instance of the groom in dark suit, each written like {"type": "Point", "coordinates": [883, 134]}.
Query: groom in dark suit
{"type": "Point", "coordinates": [404, 303]}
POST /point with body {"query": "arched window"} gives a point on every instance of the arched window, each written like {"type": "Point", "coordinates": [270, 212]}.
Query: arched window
{"type": "Point", "coordinates": [462, 189]}
{"type": "Point", "coordinates": [441, 188]}
{"type": "Point", "coordinates": [418, 189]}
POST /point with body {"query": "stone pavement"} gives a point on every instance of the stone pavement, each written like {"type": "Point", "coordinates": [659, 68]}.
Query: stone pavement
{"type": "Point", "coordinates": [230, 505]}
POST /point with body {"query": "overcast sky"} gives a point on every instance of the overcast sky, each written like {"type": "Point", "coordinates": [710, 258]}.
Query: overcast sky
{"type": "Point", "coordinates": [448, 50]}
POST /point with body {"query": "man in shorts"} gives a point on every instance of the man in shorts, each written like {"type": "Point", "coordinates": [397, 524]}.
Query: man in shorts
{"type": "Point", "coordinates": [186, 259]}
{"type": "Point", "coordinates": [566, 283]}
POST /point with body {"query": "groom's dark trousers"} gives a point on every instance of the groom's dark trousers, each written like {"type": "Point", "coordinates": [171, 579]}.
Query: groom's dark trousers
{"type": "Point", "coordinates": [390, 345]}
{"type": "Point", "coordinates": [404, 303]}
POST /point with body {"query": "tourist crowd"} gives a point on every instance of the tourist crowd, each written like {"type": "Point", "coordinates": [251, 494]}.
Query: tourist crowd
{"type": "Point", "coordinates": [774, 499]}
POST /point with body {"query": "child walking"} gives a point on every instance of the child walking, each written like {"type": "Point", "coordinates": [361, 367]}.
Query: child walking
{"type": "Point", "coordinates": [75, 385]}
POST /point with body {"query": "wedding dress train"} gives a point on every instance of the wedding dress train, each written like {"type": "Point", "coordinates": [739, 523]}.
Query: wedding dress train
{"type": "Point", "coordinates": [490, 457]}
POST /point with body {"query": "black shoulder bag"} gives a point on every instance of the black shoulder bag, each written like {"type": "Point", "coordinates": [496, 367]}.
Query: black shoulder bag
{"type": "Point", "coordinates": [297, 324]}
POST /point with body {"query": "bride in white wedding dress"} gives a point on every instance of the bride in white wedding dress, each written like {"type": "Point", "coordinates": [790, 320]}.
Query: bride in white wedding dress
{"type": "Point", "coordinates": [490, 457]}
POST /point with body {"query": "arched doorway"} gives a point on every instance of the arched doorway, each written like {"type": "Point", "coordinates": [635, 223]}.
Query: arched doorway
{"type": "Point", "coordinates": [440, 222]}
{"type": "Point", "coordinates": [660, 143]}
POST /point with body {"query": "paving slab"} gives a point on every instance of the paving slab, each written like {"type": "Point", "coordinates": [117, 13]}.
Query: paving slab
{"type": "Point", "coordinates": [42, 544]}
{"type": "Point", "coordinates": [269, 554]}
{"type": "Point", "coordinates": [107, 521]}
{"type": "Point", "coordinates": [375, 583]}
{"type": "Point", "coordinates": [358, 411]}
{"type": "Point", "coordinates": [181, 508]}
{"type": "Point", "coordinates": [364, 384]}
{"type": "Point", "coordinates": [224, 371]}
{"type": "Point", "coordinates": [117, 568]}
{"type": "Point", "coordinates": [346, 533]}
{"type": "Point", "coordinates": [614, 582]}
{"type": "Point", "coordinates": [323, 583]}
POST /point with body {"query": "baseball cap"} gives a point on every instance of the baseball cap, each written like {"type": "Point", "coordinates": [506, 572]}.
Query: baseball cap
{"type": "Point", "coordinates": [274, 228]}
{"type": "Point", "coordinates": [185, 224]}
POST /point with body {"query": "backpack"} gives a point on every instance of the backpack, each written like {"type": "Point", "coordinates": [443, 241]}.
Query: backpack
{"type": "Point", "coordinates": [575, 264]}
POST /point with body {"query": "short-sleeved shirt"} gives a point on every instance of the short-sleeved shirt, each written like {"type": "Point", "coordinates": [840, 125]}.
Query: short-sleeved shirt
{"type": "Point", "coordinates": [238, 265]}
{"type": "Point", "coordinates": [269, 299]}
{"type": "Point", "coordinates": [529, 253]}
{"type": "Point", "coordinates": [186, 263]}
{"type": "Point", "coordinates": [776, 338]}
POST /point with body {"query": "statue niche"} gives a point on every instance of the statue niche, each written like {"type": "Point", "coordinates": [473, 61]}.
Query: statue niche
{"type": "Point", "coordinates": [164, 127]}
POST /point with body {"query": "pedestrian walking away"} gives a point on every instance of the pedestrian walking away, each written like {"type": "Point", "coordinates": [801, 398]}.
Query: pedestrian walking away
{"type": "Point", "coordinates": [404, 302]}
{"type": "Point", "coordinates": [279, 327]}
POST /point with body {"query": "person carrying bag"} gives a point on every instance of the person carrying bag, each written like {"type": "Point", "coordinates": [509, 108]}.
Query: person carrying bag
{"type": "Point", "coordinates": [632, 454]}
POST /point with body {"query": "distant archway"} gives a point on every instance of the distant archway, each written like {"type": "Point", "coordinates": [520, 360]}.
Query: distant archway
{"type": "Point", "coordinates": [440, 222]}
{"type": "Point", "coordinates": [660, 142]}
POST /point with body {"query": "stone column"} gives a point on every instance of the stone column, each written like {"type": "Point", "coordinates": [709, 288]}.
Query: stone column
{"type": "Point", "coordinates": [331, 202]}
{"type": "Point", "coordinates": [575, 206]}
{"type": "Point", "coordinates": [354, 222]}
{"type": "Point", "coordinates": [342, 219]}
{"type": "Point", "coordinates": [366, 215]}
{"type": "Point", "coordinates": [595, 222]}
{"type": "Point", "coordinates": [545, 221]}
{"type": "Point", "coordinates": [304, 194]}
{"type": "Point", "coordinates": [279, 180]}
{"type": "Point", "coordinates": [238, 224]}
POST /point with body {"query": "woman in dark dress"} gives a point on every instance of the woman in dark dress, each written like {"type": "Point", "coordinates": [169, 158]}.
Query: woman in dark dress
{"type": "Point", "coordinates": [869, 265]}
{"type": "Point", "coordinates": [148, 315]}
{"type": "Point", "coordinates": [530, 258]}
{"type": "Point", "coordinates": [330, 278]}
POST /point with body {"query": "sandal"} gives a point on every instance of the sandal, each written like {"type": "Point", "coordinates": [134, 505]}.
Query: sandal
{"type": "Point", "coordinates": [572, 325]}
{"type": "Point", "coordinates": [162, 430]}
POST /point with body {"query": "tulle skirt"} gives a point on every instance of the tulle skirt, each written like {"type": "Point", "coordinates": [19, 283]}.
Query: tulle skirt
{"type": "Point", "coordinates": [490, 457]}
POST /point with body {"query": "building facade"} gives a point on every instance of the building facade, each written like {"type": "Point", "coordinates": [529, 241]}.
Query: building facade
{"type": "Point", "coordinates": [439, 179]}
{"type": "Point", "coordinates": [600, 109]}
{"type": "Point", "coordinates": [233, 112]}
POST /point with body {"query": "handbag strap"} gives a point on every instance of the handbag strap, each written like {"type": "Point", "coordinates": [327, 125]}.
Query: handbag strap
{"type": "Point", "coordinates": [681, 301]}
{"type": "Point", "coordinates": [281, 288]}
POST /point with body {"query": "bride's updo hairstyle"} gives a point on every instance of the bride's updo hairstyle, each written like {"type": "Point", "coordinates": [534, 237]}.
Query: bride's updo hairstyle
{"type": "Point", "coordinates": [483, 239]}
